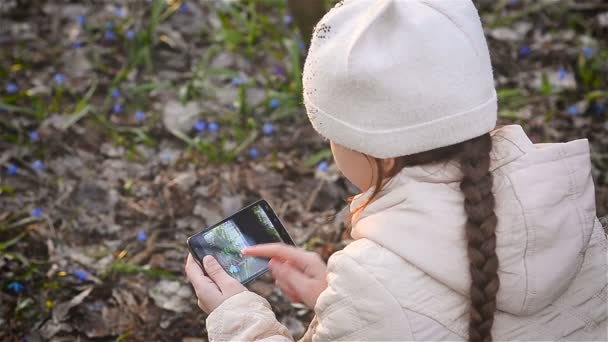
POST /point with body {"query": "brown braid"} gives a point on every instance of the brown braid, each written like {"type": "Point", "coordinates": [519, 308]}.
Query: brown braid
{"type": "Point", "coordinates": [480, 232]}
{"type": "Point", "coordinates": [474, 158]}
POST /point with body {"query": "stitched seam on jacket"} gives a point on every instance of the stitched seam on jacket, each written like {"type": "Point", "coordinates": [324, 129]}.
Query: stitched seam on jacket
{"type": "Point", "coordinates": [528, 250]}
{"type": "Point", "coordinates": [387, 292]}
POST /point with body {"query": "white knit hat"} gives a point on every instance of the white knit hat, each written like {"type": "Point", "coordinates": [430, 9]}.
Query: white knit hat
{"type": "Point", "coordinates": [396, 77]}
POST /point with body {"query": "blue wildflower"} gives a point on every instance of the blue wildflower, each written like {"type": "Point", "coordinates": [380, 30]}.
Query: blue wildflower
{"type": "Point", "coordinates": [141, 236]}
{"type": "Point", "coordinates": [572, 110]}
{"type": "Point", "coordinates": [513, 2]}
{"type": "Point", "coordinates": [254, 153]}
{"type": "Point", "coordinates": [525, 51]}
{"type": "Point", "coordinates": [77, 44]}
{"type": "Point", "coordinates": [302, 46]}
{"type": "Point", "coordinates": [16, 287]}
{"type": "Point", "coordinates": [237, 81]}
{"type": "Point", "coordinates": [130, 34]}
{"type": "Point", "coordinates": [600, 108]}
{"type": "Point", "coordinates": [562, 73]}
{"type": "Point", "coordinates": [109, 25]}
{"type": "Point", "coordinates": [37, 165]}
{"type": "Point", "coordinates": [120, 12]}
{"type": "Point", "coordinates": [139, 116]}
{"type": "Point", "coordinates": [214, 127]}
{"type": "Point", "coordinates": [200, 126]}
{"type": "Point", "coordinates": [81, 20]}
{"type": "Point", "coordinates": [110, 35]}
{"type": "Point", "coordinates": [287, 20]}
{"type": "Point", "coordinates": [278, 71]}
{"type": "Point", "coordinates": [588, 52]}
{"type": "Point", "coordinates": [183, 8]}
{"type": "Point", "coordinates": [115, 92]}
{"type": "Point", "coordinates": [59, 79]}
{"type": "Point", "coordinates": [37, 213]}
{"type": "Point", "coordinates": [12, 88]}
{"type": "Point", "coordinates": [117, 108]}
{"type": "Point", "coordinates": [268, 129]}
{"type": "Point", "coordinates": [81, 275]}
{"type": "Point", "coordinates": [274, 103]}
{"type": "Point", "coordinates": [11, 170]}
{"type": "Point", "coordinates": [34, 136]}
{"type": "Point", "coordinates": [323, 166]}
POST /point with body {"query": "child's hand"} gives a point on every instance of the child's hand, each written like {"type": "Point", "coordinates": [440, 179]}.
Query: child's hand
{"type": "Point", "coordinates": [213, 290]}
{"type": "Point", "coordinates": [301, 275]}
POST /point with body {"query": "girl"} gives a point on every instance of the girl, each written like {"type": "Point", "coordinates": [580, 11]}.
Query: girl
{"type": "Point", "coordinates": [463, 231]}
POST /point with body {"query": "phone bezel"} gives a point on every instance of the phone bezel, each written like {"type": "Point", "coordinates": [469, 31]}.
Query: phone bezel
{"type": "Point", "coordinates": [271, 215]}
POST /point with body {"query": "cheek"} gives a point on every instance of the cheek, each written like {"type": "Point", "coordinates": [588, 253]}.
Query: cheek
{"type": "Point", "coordinates": [354, 165]}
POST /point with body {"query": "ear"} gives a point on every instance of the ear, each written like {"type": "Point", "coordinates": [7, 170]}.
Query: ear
{"type": "Point", "coordinates": [388, 165]}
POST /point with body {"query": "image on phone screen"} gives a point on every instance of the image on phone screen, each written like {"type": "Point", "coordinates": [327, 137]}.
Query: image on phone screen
{"type": "Point", "coordinates": [225, 240]}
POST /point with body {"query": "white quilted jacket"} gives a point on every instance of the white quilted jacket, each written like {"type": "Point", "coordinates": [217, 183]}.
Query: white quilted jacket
{"type": "Point", "coordinates": [405, 277]}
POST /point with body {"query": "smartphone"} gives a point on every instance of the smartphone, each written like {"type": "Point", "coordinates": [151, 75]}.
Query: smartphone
{"type": "Point", "coordinates": [252, 225]}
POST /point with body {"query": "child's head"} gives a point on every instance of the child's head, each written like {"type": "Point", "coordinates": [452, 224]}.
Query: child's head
{"type": "Point", "coordinates": [400, 83]}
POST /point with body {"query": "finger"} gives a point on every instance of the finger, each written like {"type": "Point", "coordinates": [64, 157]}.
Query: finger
{"type": "Point", "coordinates": [206, 290]}
{"type": "Point", "coordinates": [292, 277]}
{"type": "Point", "coordinates": [218, 275]}
{"type": "Point", "coordinates": [308, 262]}
{"type": "Point", "coordinates": [288, 292]}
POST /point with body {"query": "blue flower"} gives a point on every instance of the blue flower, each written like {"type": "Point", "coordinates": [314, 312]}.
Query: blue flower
{"type": "Point", "coordinates": [323, 166]}
{"type": "Point", "coordinates": [200, 126]}
{"type": "Point", "coordinates": [81, 20]}
{"type": "Point", "coordinates": [302, 46]}
{"type": "Point", "coordinates": [77, 44]}
{"type": "Point", "coordinates": [12, 170]}
{"type": "Point", "coordinates": [130, 34]}
{"type": "Point", "coordinates": [109, 25]}
{"type": "Point", "coordinates": [38, 165]}
{"type": "Point", "coordinates": [59, 79]}
{"type": "Point", "coordinates": [254, 153]}
{"type": "Point", "coordinates": [214, 127]}
{"type": "Point", "coordinates": [16, 287]}
{"type": "Point", "coordinates": [278, 71]}
{"type": "Point", "coordinates": [562, 73]}
{"type": "Point", "coordinates": [513, 2]}
{"type": "Point", "coordinates": [37, 213]}
{"type": "Point", "coordinates": [110, 35]}
{"type": "Point", "coordinates": [34, 136]}
{"type": "Point", "coordinates": [141, 236]}
{"type": "Point", "coordinates": [287, 20]}
{"type": "Point", "coordinates": [140, 116]}
{"type": "Point", "coordinates": [525, 51]}
{"type": "Point", "coordinates": [183, 8]}
{"type": "Point", "coordinates": [600, 108]}
{"type": "Point", "coordinates": [120, 12]}
{"type": "Point", "coordinates": [268, 129]}
{"type": "Point", "coordinates": [572, 110]}
{"type": "Point", "coordinates": [115, 92]}
{"type": "Point", "coordinates": [237, 81]}
{"type": "Point", "coordinates": [81, 275]}
{"type": "Point", "coordinates": [117, 108]}
{"type": "Point", "coordinates": [588, 51]}
{"type": "Point", "coordinates": [12, 88]}
{"type": "Point", "coordinates": [274, 103]}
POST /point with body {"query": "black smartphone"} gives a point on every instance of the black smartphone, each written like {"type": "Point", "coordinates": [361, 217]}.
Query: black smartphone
{"type": "Point", "coordinates": [252, 225]}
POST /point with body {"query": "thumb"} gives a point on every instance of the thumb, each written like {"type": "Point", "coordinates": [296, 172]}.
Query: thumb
{"type": "Point", "coordinates": [217, 273]}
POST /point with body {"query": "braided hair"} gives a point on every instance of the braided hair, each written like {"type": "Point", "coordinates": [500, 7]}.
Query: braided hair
{"type": "Point", "coordinates": [480, 228]}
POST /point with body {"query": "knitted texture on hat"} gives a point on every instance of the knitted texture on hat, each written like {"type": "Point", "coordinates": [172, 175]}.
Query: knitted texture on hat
{"type": "Point", "coordinates": [396, 77]}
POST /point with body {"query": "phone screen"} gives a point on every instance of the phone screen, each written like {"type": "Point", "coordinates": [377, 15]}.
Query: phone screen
{"type": "Point", "coordinates": [253, 225]}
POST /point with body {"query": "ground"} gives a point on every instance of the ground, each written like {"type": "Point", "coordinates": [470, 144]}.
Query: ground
{"type": "Point", "coordinates": [128, 126]}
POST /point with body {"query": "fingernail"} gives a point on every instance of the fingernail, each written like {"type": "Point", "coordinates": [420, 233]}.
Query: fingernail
{"type": "Point", "coordinates": [272, 263]}
{"type": "Point", "coordinates": [208, 260]}
{"type": "Point", "coordinates": [244, 251]}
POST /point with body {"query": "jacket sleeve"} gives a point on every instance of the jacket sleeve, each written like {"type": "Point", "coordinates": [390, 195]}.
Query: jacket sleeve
{"type": "Point", "coordinates": [245, 317]}
{"type": "Point", "coordinates": [357, 307]}
{"type": "Point", "coordinates": [354, 307]}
